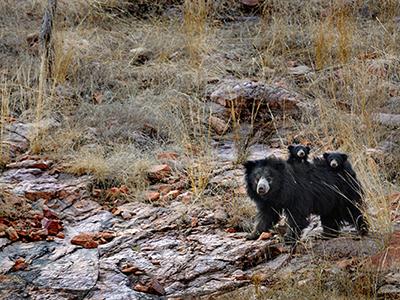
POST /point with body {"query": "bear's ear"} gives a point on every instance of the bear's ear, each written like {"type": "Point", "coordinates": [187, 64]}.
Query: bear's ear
{"type": "Point", "coordinates": [343, 156]}
{"type": "Point", "coordinates": [249, 165]}
{"type": "Point", "coordinates": [308, 149]}
{"type": "Point", "coordinates": [290, 147]}
{"type": "Point", "coordinates": [326, 155]}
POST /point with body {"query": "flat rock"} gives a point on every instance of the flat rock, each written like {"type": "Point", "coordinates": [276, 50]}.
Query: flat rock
{"type": "Point", "coordinates": [245, 91]}
{"type": "Point", "coordinates": [390, 120]}
{"type": "Point", "coordinates": [77, 271]}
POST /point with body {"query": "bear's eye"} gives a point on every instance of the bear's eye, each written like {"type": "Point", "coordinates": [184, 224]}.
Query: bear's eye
{"type": "Point", "coordinates": [269, 179]}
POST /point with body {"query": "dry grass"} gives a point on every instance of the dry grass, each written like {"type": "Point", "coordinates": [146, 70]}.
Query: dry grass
{"type": "Point", "coordinates": [129, 81]}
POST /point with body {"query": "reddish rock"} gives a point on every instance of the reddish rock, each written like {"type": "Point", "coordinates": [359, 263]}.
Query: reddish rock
{"type": "Point", "coordinates": [230, 230]}
{"type": "Point", "coordinates": [194, 222]}
{"type": "Point", "coordinates": [167, 156]}
{"type": "Point", "coordinates": [171, 195]}
{"type": "Point", "coordinates": [20, 264]}
{"type": "Point", "coordinates": [152, 196]}
{"type": "Point", "coordinates": [265, 236]}
{"type": "Point", "coordinates": [30, 164]}
{"type": "Point", "coordinates": [116, 211]}
{"type": "Point", "coordinates": [38, 235]}
{"type": "Point", "coordinates": [3, 228]}
{"type": "Point", "coordinates": [131, 269]}
{"type": "Point", "coordinates": [186, 197]}
{"type": "Point", "coordinates": [141, 288]}
{"type": "Point", "coordinates": [153, 286]}
{"type": "Point", "coordinates": [60, 235]}
{"type": "Point", "coordinates": [156, 287]}
{"type": "Point", "coordinates": [159, 172]}
{"type": "Point", "coordinates": [36, 195]}
{"type": "Point", "coordinates": [108, 236]}
{"type": "Point", "coordinates": [96, 193]}
{"type": "Point", "coordinates": [388, 259]}
{"type": "Point", "coordinates": [12, 234]}
{"type": "Point", "coordinates": [49, 214]}
{"type": "Point", "coordinates": [124, 189]}
{"type": "Point", "coordinates": [53, 226]}
{"type": "Point", "coordinates": [162, 188]}
{"type": "Point", "coordinates": [85, 240]}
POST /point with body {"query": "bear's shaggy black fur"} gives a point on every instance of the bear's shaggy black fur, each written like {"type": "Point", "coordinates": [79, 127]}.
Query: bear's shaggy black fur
{"type": "Point", "coordinates": [339, 162]}
{"type": "Point", "coordinates": [276, 186]}
{"type": "Point", "coordinates": [298, 154]}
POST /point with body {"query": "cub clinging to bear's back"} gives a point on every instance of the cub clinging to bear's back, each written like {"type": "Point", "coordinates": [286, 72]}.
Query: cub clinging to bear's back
{"type": "Point", "coordinates": [276, 186]}
{"type": "Point", "coordinates": [339, 162]}
{"type": "Point", "coordinates": [298, 153]}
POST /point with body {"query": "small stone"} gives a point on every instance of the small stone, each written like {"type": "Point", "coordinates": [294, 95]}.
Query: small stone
{"type": "Point", "coordinates": [116, 211]}
{"type": "Point", "coordinates": [167, 156]}
{"type": "Point", "coordinates": [265, 236]}
{"type": "Point", "coordinates": [152, 196]}
{"type": "Point", "coordinates": [151, 287]}
{"type": "Point", "coordinates": [12, 234]}
{"type": "Point", "coordinates": [219, 125]}
{"type": "Point", "coordinates": [60, 235]}
{"type": "Point", "coordinates": [36, 195]}
{"type": "Point", "coordinates": [230, 230]}
{"type": "Point", "coordinates": [156, 287]}
{"type": "Point", "coordinates": [3, 228]}
{"type": "Point", "coordinates": [299, 70]}
{"type": "Point", "coordinates": [96, 193]}
{"type": "Point", "coordinates": [53, 226]}
{"type": "Point", "coordinates": [126, 215]}
{"type": "Point", "coordinates": [130, 269]}
{"type": "Point", "coordinates": [20, 264]}
{"type": "Point", "coordinates": [171, 195]}
{"type": "Point", "coordinates": [38, 235]}
{"type": "Point", "coordinates": [185, 197]}
{"type": "Point", "coordinates": [49, 214]}
{"type": "Point", "coordinates": [162, 188]}
{"type": "Point", "coordinates": [85, 240]}
{"type": "Point", "coordinates": [159, 172]}
{"type": "Point", "coordinates": [250, 3]}
{"type": "Point", "coordinates": [141, 288]}
{"type": "Point", "coordinates": [108, 236]}
{"type": "Point", "coordinates": [124, 189]}
{"type": "Point", "coordinates": [194, 222]}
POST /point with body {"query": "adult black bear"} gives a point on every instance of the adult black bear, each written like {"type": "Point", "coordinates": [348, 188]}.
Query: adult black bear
{"type": "Point", "coordinates": [298, 154]}
{"type": "Point", "coordinates": [275, 185]}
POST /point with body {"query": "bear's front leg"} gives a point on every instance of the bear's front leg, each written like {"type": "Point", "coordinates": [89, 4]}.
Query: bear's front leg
{"type": "Point", "coordinates": [265, 220]}
{"type": "Point", "coordinates": [296, 222]}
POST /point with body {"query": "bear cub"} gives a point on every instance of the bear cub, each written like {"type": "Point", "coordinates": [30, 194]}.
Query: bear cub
{"type": "Point", "coordinates": [298, 153]}
{"type": "Point", "coordinates": [339, 162]}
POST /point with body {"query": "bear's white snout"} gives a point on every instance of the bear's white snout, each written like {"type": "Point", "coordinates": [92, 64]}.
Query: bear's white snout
{"type": "Point", "coordinates": [301, 153]}
{"type": "Point", "coordinates": [334, 163]}
{"type": "Point", "coordinates": [262, 186]}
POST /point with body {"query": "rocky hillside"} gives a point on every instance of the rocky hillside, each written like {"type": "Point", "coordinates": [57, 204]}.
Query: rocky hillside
{"type": "Point", "coordinates": [122, 146]}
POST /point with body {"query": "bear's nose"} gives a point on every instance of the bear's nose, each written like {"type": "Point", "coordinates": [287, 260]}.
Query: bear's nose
{"type": "Point", "coordinates": [300, 153]}
{"type": "Point", "coordinates": [334, 163]}
{"type": "Point", "coordinates": [261, 190]}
